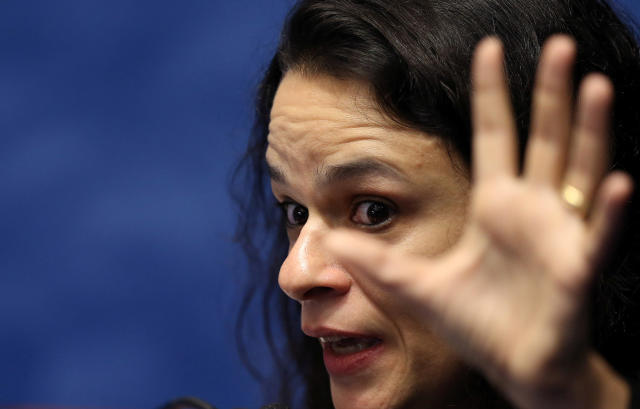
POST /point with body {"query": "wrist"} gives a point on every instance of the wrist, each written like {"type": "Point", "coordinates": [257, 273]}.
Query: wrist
{"type": "Point", "coordinates": [594, 385]}
{"type": "Point", "coordinates": [600, 387]}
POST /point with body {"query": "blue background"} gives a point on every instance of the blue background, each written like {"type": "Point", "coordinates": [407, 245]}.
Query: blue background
{"type": "Point", "coordinates": [120, 122]}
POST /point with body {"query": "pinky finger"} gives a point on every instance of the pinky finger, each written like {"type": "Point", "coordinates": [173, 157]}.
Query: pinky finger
{"type": "Point", "coordinates": [607, 216]}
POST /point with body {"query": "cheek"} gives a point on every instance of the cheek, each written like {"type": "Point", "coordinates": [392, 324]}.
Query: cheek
{"type": "Point", "coordinates": [436, 223]}
{"type": "Point", "coordinates": [429, 352]}
{"type": "Point", "coordinates": [436, 372]}
{"type": "Point", "coordinates": [433, 233]}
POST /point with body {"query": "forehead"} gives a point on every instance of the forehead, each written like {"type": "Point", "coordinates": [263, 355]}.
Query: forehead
{"type": "Point", "coordinates": [298, 92]}
{"type": "Point", "coordinates": [321, 112]}
{"type": "Point", "coordinates": [319, 122]}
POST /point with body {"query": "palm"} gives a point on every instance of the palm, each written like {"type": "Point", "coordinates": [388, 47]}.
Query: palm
{"type": "Point", "coordinates": [524, 288]}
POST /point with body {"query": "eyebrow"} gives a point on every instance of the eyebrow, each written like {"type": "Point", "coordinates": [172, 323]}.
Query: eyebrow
{"type": "Point", "coordinates": [359, 168]}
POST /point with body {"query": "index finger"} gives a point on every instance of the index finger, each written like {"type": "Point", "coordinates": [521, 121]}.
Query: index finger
{"type": "Point", "coordinates": [494, 129]}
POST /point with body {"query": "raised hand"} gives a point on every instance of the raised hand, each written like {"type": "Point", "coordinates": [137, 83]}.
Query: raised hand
{"type": "Point", "coordinates": [512, 295]}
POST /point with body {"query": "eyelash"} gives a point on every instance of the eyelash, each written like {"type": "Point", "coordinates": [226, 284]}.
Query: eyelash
{"type": "Point", "coordinates": [285, 208]}
{"type": "Point", "coordinates": [291, 210]}
{"type": "Point", "coordinates": [388, 209]}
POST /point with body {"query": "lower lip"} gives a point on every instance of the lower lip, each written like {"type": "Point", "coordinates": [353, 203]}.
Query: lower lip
{"type": "Point", "coordinates": [349, 364]}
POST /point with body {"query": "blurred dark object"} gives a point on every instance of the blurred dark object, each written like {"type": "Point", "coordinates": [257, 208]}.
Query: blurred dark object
{"type": "Point", "coordinates": [189, 402]}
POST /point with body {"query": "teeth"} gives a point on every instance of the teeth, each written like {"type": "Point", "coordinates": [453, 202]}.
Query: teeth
{"type": "Point", "coordinates": [350, 348]}
{"type": "Point", "coordinates": [326, 340]}
{"type": "Point", "coordinates": [346, 345]}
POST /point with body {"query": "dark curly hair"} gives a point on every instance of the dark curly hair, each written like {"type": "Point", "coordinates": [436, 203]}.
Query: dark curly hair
{"type": "Point", "coordinates": [416, 56]}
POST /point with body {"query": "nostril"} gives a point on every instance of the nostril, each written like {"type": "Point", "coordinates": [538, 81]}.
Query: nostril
{"type": "Point", "coordinates": [317, 292]}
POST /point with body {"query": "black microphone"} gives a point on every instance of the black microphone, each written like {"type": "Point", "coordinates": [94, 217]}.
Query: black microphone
{"type": "Point", "coordinates": [189, 402]}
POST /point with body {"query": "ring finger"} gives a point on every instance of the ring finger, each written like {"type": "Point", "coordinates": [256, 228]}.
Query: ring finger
{"type": "Point", "coordinates": [588, 157]}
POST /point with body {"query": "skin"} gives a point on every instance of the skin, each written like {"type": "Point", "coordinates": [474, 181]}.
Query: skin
{"type": "Point", "coordinates": [498, 271]}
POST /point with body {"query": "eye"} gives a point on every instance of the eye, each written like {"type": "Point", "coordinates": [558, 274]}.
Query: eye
{"type": "Point", "coordinates": [294, 213]}
{"type": "Point", "coordinates": [372, 213]}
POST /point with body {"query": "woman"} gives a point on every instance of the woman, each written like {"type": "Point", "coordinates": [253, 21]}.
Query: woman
{"type": "Point", "coordinates": [423, 267]}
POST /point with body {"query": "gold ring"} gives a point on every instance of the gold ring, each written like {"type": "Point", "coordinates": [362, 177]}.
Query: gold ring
{"type": "Point", "coordinates": [574, 198]}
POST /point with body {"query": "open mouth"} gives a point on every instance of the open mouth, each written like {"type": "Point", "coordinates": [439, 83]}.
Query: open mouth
{"type": "Point", "coordinates": [348, 355]}
{"type": "Point", "coordinates": [348, 345]}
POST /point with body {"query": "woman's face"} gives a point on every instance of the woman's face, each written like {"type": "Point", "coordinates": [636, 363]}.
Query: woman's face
{"type": "Point", "coordinates": [336, 162]}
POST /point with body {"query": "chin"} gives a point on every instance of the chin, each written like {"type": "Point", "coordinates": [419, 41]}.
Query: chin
{"type": "Point", "coordinates": [382, 398]}
{"type": "Point", "coordinates": [383, 388]}
{"type": "Point", "coordinates": [401, 387]}
{"type": "Point", "coordinates": [362, 399]}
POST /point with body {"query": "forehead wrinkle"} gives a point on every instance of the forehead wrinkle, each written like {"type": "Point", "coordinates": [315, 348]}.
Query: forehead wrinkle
{"type": "Point", "coordinates": [318, 143]}
{"type": "Point", "coordinates": [327, 175]}
{"type": "Point", "coordinates": [294, 117]}
{"type": "Point", "coordinates": [357, 169]}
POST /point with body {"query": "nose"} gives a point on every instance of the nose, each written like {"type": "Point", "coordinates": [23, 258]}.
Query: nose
{"type": "Point", "coordinates": [308, 272]}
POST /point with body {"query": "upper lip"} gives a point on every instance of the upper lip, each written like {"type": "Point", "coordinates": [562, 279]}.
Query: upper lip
{"type": "Point", "coordinates": [326, 332]}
